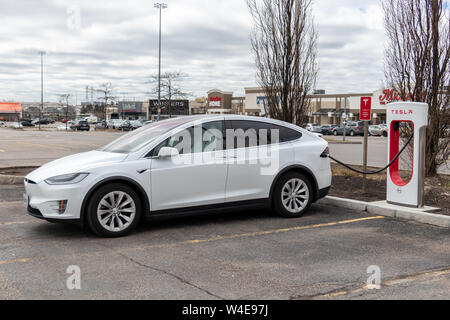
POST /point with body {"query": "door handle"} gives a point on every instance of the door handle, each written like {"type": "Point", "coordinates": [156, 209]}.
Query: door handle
{"type": "Point", "coordinates": [142, 171]}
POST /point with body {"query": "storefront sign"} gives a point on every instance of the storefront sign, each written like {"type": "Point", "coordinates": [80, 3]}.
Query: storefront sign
{"type": "Point", "coordinates": [215, 101]}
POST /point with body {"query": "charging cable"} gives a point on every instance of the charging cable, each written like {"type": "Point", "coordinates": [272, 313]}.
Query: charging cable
{"type": "Point", "coordinates": [378, 171]}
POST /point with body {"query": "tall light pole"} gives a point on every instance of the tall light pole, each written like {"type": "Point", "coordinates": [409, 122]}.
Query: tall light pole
{"type": "Point", "coordinates": [42, 87]}
{"type": "Point", "coordinates": [159, 6]}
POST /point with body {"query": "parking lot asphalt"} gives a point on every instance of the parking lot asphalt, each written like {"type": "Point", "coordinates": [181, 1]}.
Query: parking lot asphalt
{"type": "Point", "coordinates": [35, 148]}
{"type": "Point", "coordinates": [239, 255]}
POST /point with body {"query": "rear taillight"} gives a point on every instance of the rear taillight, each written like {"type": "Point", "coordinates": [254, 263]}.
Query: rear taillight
{"type": "Point", "coordinates": [357, 128]}
{"type": "Point", "coordinates": [326, 153]}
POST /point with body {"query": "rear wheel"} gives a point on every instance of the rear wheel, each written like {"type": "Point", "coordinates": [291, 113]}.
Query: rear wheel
{"type": "Point", "coordinates": [114, 210]}
{"type": "Point", "coordinates": [352, 133]}
{"type": "Point", "coordinates": [335, 133]}
{"type": "Point", "coordinates": [293, 195]}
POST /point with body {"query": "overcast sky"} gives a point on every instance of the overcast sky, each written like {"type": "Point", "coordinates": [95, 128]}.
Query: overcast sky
{"type": "Point", "coordinates": [117, 41]}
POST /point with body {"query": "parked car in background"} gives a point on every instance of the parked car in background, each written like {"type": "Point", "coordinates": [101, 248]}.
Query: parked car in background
{"type": "Point", "coordinates": [17, 125]}
{"type": "Point", "coordinates": [313, 127]}
{"type": "Point", "coordinates": [353, 128]}
{"type": "Point", "coordinates": [102, 125]}
{"type": "Point", "coordinates": [114, 123]}
{"type": "Point", "coordinates": [81, 126]}
{"type": "Point", "coordinates": [136, 124]}
{"type": "Point", "coordinates": [125, 126]}
{"type": "Point", "coordinates": [42, 122]}
{"type": "Point", "coordinates": [27, 123]}
{"type": "Point", "coordinates": [129, 125]}
{"type": "Point", "coordinates": [384, 128]}
{"type": "Point", "coordinates": [327, 129]}
{"type": "Point", "coordinates": [375, 131]}
{"type": "Point", "coordinates": [2, 124]}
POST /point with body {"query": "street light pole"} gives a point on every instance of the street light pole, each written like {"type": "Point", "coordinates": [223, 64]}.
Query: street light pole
{"type": "Point", "coordinates": [42, 87]}
{"type": "Point", "coordinates": [159, 6]}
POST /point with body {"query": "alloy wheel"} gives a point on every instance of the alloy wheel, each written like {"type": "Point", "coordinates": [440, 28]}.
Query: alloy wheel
{"type": "Point", "coordinates": [295, 195]}
{"type": "Point", "coordinates": [116, 211]}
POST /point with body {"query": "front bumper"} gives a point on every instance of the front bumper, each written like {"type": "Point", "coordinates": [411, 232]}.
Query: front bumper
{"type": "Point", "coordinates": [41, 200]}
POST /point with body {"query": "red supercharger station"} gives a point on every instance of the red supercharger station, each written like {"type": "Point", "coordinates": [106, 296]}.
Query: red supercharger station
{"type": "Point", "coordinates": [400, 192]}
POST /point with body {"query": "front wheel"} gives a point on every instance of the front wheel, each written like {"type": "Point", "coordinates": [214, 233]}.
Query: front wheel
{"type": "Point", "coordinates": [114, 210]}
{"type": "Point", "coordinates": [293, 195]}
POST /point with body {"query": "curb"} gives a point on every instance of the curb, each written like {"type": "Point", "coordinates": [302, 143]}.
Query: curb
{"type": "Point", "coordinates": [389, 211]}
{"type": "Point", "coordinates": [5, 179]}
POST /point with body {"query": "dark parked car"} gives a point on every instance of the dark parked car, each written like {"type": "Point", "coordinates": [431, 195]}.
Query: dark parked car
{"type": "Point", "coordinates": [43, 121]}
{"type": "Point", "coordinates": [327, 129]}
{"type": "Point", "coordinates": [81, 126]}
{"type": "Point", "coordinates": [27, 123]}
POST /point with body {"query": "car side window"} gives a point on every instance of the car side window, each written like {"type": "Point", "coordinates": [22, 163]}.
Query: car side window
{"type": "Point", "coordinates": [245, 134]}
{"type": "Point", "coordinates": [206, 137]}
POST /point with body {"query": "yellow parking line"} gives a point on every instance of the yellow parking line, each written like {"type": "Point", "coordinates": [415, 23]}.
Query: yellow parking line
{"type": "Point", "coordinates": [423, 276]}
{"type": "Point", "coordinates": [44, 146]}
{"type": "Point", "coordinates": [87, 144]}
{"type": "Point", "coordinates": [262, 233]}
{"type": "Point", "coordinates": [187, 242]}
{"type": "Point", "coordinates": [10, 203]}
{"type": "Point", "coordinates": [15, 223]}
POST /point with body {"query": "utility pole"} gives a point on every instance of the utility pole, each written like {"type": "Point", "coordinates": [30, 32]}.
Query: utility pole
{"type": "Point", "coordinates": [346, 117]}
{"type": "Point", "coordinates": [159, 6]}
{"type": "Point", "coordinates": [42, 87]}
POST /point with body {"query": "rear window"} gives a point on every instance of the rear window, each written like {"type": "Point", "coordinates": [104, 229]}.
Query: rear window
{"type": "Point", "coordinates": [247, 134]}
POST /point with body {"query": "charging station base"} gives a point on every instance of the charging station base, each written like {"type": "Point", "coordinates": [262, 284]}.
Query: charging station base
{"type": "Point", "coordinates": [390, 206]}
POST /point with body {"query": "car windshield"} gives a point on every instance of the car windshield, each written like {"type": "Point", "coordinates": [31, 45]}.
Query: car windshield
{"type": "Point", "coordinates": [136, 140]}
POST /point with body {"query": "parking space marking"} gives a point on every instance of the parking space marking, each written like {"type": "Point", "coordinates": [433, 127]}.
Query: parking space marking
{"type": "Point", "coordinates": [10, 203]}
{"type": "Point", "coordinates": [187, 242]}
{"type": "Point", "coordinates": [45, 146]}
{"type": "Point", "coordinates": [87, 144]}
{"type": "Point", "coordinates": [12, 223]}
{"type": "Point", "coordinates": [262, 233]}
{"type": "Point", "coordinates": [422, 276]}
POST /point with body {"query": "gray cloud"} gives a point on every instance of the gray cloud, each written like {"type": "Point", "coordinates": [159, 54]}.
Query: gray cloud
{"type": "Point", "coordinates": [118, 42]}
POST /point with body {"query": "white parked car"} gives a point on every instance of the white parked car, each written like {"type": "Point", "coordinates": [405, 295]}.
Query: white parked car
{"type": "Point", "coordinates": [181, 165]}
{"type": "Point", "coordinates": [313, 127]}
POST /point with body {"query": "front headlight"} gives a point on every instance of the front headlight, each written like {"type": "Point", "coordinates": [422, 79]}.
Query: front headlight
{"type": "Point", "coordinates": [72, 178]}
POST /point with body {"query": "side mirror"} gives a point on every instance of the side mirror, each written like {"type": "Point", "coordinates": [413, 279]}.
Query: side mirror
{"type": "Point", "coordinates": [167, 152]}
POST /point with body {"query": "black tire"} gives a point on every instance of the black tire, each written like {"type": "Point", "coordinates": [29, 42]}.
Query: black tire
{"type": "Point", "coordinates": [335, 133]}
{"type": "Point", "coordinates": [352, 133]}
{"type": "Point", "coordinates": [385, 134]}
{"type": "Point", "coordinates": [278, 205]}
{"type": "Point", "coordinates": [91, 214]}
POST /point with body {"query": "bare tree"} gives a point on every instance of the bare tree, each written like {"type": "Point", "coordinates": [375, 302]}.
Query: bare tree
{"type": "Point", "coordinates": [65, 98]}
{"type": "Point", "coordinates": [417, 65]}
{"type": "Point", "coordinates": [106, 89]}
{"type": "Point", "coordinates": [284, 43]}
{"type": "Point", "coordinates": [171, 87]}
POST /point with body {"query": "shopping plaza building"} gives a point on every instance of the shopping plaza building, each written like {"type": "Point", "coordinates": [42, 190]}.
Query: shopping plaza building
{"type": "Point", "coordinates": [324, 108]}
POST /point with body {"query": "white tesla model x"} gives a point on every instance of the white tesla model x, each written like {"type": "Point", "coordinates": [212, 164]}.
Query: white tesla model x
{"type": "Point", "coordinates": [184, 165]}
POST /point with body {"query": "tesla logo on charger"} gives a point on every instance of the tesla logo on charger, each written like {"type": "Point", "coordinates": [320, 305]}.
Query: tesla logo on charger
{"type": "Point", "coordinates": [402, 112]}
